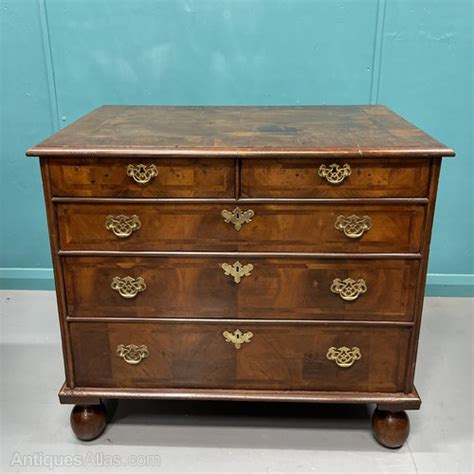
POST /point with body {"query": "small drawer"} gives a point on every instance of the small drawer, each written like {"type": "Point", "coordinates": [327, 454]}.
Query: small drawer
{"type": "Point", "coordinates": [217, 287]}
{"type": "Point", "coordinates": [269, 227]}
{"type": "Point", "coordinates": [255, 356]}
{"type": "Point", "coordinates": [303, 178]}
{"type": "Point", "coordinates": [123, 177]}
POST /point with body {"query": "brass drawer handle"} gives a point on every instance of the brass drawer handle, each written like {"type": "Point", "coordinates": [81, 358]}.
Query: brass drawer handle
{"type": "Point", "coordinates": [334, 173]}
{"type": "Point", "coordinates": [128, 287]}
{"type": "Point", "coordinates": [142, 174]}
{"type": "Point", "coordinates": [344, 356]}
{"type": "Point", "coordinates": [353, 226]}
{"type": "Point", "coordinates": [237, 217]}
{"type": "Point", "coordinates": [349, 289]}
{"type": "Point", "coordinates": [122, 226]}
{"type": "Point", "coordinates": [237, 270]}
{"type": "Point", "coordinates": [132, 354]}
{"type": "Point", "coordinates": [237, 337]}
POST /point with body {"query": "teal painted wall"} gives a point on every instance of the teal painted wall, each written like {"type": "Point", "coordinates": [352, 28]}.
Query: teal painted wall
{"type": "Point", "coordinates": [60, 59]}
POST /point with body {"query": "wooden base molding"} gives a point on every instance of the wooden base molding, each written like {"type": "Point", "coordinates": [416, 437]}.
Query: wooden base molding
{"type": "Point", "coordinates": [403, 401]}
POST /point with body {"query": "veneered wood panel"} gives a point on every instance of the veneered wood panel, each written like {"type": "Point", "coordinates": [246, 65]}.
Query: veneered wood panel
{"type": "Point", "coordinates": [278, 288]}
{"type": "Point", "coordinates": [298, 178]}
{"type": "Point", "coordinates": [274, 228]}
{"type": "Point", "coordinates": [279, 356]}
{"type": "Point", "coordinates": [351, 131]}
{"type": "Point", "coordinates": [181, 178]}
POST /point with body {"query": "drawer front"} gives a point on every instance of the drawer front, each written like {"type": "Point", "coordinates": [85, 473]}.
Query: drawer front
{"type": "Point", "coordinates": [272, 228]}
{"type": "Point", "coordinates": [299, 178]}
{"type": "Point", "coordinates": [178, 178]}
{"type": "Point", "coordinates": [263, 356]}
{"type": "Point", "coordinates": [278, 288]}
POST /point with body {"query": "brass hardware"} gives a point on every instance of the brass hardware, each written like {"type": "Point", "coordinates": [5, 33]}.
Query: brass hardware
{"type": "Point", "coordinates": [237, 337]}
{"type": "Point", "coordinates": [349, 289]}
{"type": "Point", "coordinates": [238, 217]}
{"type": "Point", "coordinates": [353, 226]}
{"type": "Point", "coordinates": [122, 226]}
{"type": "Point", "coordinates": [237, 270]}
{"type": "Point", "coordinates": [128, 287]}
{"type": "Point", "coordinates": [344, 356]}
{"type": "Point", "coordinates": [335, 173]}
{"type": "Point", "coordinates": [132, 354]}
{"type": "Point", "coordinates": [142, 174]}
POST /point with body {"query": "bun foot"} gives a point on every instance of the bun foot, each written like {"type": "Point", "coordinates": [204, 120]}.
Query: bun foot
{"type": "Point", "coordinates": [390, 428]}
{"type": "Point", "coordinates": [88, 421]}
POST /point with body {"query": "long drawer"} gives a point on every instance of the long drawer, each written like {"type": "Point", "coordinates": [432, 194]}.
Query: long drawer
{"type": "Point", "coordinates": [257, 356]}
{"type": "Point", "coordinates": [256, 227]}
{"type": "Point", "coordinates": [303, 178]}
{"type": "Point", "coordinates": [276, 288]}
{"type": "Point", "coordinates": [176, 178]}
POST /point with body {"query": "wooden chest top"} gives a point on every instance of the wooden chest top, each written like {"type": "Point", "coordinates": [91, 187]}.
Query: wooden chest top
{"type": "Point", "coordinates": [322, 131]}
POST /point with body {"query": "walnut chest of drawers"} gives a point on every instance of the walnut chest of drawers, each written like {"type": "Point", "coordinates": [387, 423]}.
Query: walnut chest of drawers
{"type": "Point", "coordinates": [244, 253]}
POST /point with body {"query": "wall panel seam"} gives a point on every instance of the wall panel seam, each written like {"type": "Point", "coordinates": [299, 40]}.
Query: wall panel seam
{"type": "Point", "coordinates": [48, 56]}
{"type": "Point", "coordinates": [378, 49]}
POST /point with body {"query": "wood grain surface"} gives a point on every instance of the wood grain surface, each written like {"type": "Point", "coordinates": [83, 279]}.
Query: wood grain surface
{"type": "Point", "coordinates": [299, 178]}
{"type": "Point", "coordinates": [348, 131]}
{"type": "Point", "coordinates": [279, 356]}
{"type": "Point", "coordinates": [274, 227]}
{"type": "Point", "coordinates": [278, 288]}
{"type": "Point", "coordinates": [182, 178]}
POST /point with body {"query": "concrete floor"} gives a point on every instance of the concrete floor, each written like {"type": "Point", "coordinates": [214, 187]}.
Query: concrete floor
{"type": "Point", "coordinates": [230, 437]}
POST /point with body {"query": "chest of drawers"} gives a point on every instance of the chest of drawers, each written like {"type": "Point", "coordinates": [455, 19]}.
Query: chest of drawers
{"type": "Point", "coordinates": [241, 253]}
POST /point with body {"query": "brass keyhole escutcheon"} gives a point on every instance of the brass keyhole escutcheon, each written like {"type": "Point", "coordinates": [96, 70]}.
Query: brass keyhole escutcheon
{"type": "Point", "coordinates": [238, 337]}
{"type": "Point", "coordinates": [237, 270]}
{"type": "Point", "coordinates": [237, 217]}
